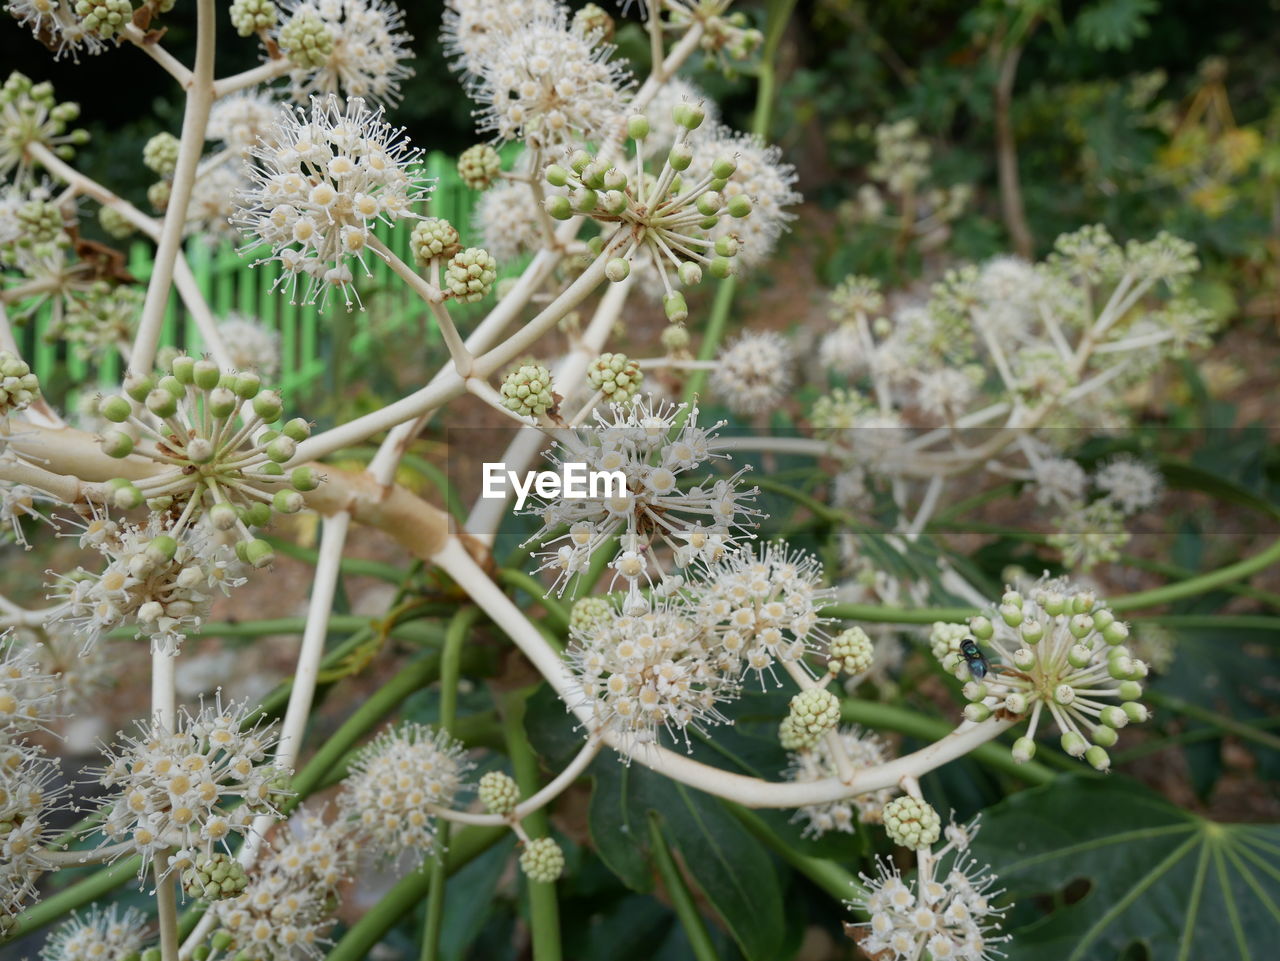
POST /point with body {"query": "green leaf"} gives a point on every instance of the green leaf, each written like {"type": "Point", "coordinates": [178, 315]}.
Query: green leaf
{"type": "Point", "coordinates": [1184, 887]}
{"type": "Point", "coordinates": [735, 873]}
{"type": "Point", "coordinates": [1115, 24]}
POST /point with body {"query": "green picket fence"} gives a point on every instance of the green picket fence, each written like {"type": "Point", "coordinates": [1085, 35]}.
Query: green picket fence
{"type": "Point", "coordinates": [230, 284]}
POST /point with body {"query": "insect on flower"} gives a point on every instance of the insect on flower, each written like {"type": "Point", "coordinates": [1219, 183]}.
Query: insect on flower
{"type": "Point", "coordinates": [977, 661]}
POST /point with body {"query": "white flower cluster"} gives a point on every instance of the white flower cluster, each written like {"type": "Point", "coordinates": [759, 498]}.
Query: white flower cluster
{"type": "Point", "coordinates": [545, 83]}
{"type": "Point", "coordinates": [395, 782]}
{"type": "Point", "coordinates": [159, 580]}
{"type": "Point", "coordinates": [104, 934]}
{"type": "Point", "coordinates": [946, 910]}
{"type": "Point", "coordinates": [29, 778]}
{"type": "Point", "coordinates": [287, 908]}
{"type": "Point", "coordinates": [323, 179]}
{"type": "Point", "coordinates": [347, 48]}
{"type": "Point", "coordinates": [817, 763]}
{"type": "Point", "coordinates": [193, 789]}
{"type": "Point", "coordinates": [653, 444]}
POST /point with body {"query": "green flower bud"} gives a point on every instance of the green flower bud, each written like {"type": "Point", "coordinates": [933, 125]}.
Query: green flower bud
{"type": "Point", "coordinates": [1024, 749]}
{"type": "Point", "coordinates": [479, 166]}
{"type": "Point", "coordinates": [268, 406]}
{"type": "Point", "coordinates": [690, 274]}
{"type": "Point", "coordinates": [433, 237]}
{"type": "Point", "coordinates": [911, 823]}
{"type": "Point", "coordinates": [542, 860]}
{"type": "Point", "coordinates": [282, 449]}
{"type": "Point", "coordinates": [257, 515]}
{"type": "Point", "coordinates": [471, 275]}
{"type": "Point", "coordinates": [259, 554]}
{"type": "Point", "coordinates": [617, 269]}
{"type": "Point", "coordinates": [137, 386]}
{"type": "Point", "coordinates": [851, 651]}
{"type": "Point", "coordinates": [223, 516]}
{"type": "Point", "coordinates": [306, 40]}
{"type": "Point", "coordinates": [526, 390]}
{"type": "Point", "coordinates": [680, 156]}
{"type": "Point", "coordinates": [161, 154]}
{"type": "Point", "coordinates": [116, 443]}
{"type": "Point", "coordinates": [977, 712]}
{"type": "Point", "coordinates": [739, 206]}
{"type": "Point", "coordinates": [222, 402]}
{"type": "Point", "coordinates": [637, 126]}
{"type": "Point", "coordinates": [287, 501]}
{"type": "Point", "coordinates": [723, 167]}
{"type": "Point", "coordinates": [161, 403]}
{"type": "Point", "coordinates": [676, 309]}
{"type": "Point", "coordinates": [297, 429]}
{"type": "Point", "coordinates": [1098, 758]}
{"type": "Point", "coordinates": [253, 16]}
{"type": "Point", "coordinates": [304, 479]}
{"type": "Point", "coordinates": [1105, 736]}
{"type": "Point", "coordinates": [1074, 744]}
{"type": "Point", "coordinates": [720, 267]}
{"type": "Point", "coordinates": [498, 792]}
{"type": "Point", "coordinates": [688, 115]}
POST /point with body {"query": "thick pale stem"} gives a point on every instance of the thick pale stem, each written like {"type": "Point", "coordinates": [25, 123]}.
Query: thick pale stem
{"type": "Point", "coordinates": [195, 122]}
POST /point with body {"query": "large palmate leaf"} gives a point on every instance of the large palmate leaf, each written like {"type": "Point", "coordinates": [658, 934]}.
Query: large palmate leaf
{"type": "Point", "coordinates": [1182, 887]}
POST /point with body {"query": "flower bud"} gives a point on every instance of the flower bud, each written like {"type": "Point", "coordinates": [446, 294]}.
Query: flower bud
{"type": "Point", "coordinates": [200, 450]}
{"type": "Point", "coordinates": [257, 515]}
{"type": "Point", "coordinates": [1113, 716]}
{"type": "Point", "coordinates": [223, 516]}
{"type": "Point", "coordinates": [268, 406]}
{"type": "Point", "coordinates": [222, 402]}
{"type": "Point", "coordinates": [637, 126]}
{"type": "Point", "coordinates": [981, 628]}
{"type": "Point", "coordinates": [206, 374]}
{"type": "Point", "coordinates": [1116, 633]}
{"type": "Point", "coordinates": [1130, 690]}
{"type": "Point", "coordinates": [1032, 631]}
{"type": "Point", "coordinates": [1079, 656]}
{"type": "Point", "coordinates": [977, 712]}
{"type": "Point", "coordinates": [720, 267]}
{"type": "Point", "coordinates": [558, 207]}
{"type": "Point", "coordinates": [690, 274]}
{"type": "Point", "coordinates": [617, 269]}
{"type": "Point", "coordinates": [557, 176]}
{"type": "Point", "coordinates": [1104, 736]}
{"type": "Point", "coordinates": [282, 449]}
{"type": "Point", "coordinates": [116, 443]}
{"type": "Point", "coordinates": [1024, 749]}
{"type": "Point", "coordinates": [138, 387]}
{"type": "Point", "coordinates": [1024, 659]}
{"type": "Point", "coordinates": [304, 479]}
{"type": "Point", "coordinates": [1016, 703]}
{"type": "Point", "coordinates": [1080, 625]}
{"type": "Point", "coordinates": [1064, 694]}
{"type": "Point", "coordinates": [676, 309]}
{"type": "Point", "coordinates": [161, 403]}
{"type": "Point", "coordinates": [161, 548]}
{"type": "Point", "coordinates": [1011, 614]}
{"type": "Point", "coordinates": [1135, 711]}
{"type": "Point", "coordinates": [127, 497]}
{"type": "Point", "coordinates": [723, 167]}
{"type": "Point", "coordinates": [680, 156]}
{"type": "Point", "coordinates": [974, 691]}
{"type": "Point", "coordinates": [1098, 758]}
{"type": "Point", "coordinates": [288, 501]}
{"type": "Point", "coordinates": [1074, 744]}
{"type": "Point", "coordinates": [688, 115]}
{"type": "Point", "coordinates": [727, 246]}
{"type": "Point", "coordinates": [259, 554]}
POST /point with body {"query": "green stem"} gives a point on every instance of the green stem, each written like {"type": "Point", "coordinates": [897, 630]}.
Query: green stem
{"type": "Point", "coordinates": [407, 894]}
{"type": "Point", "coordinates": [350, 565]}
{"type": "Point", "coordinates": [516, 578]}
{"type": "Point", "coordinates": [898, 615]}
{"type": "Point", "coordinates": [828, 875]}
{"type": "Point", "coordinates": [450, 671]}
{"type": "Point", "coordinates": [695, 928]}
{"type": "Point", "coordinates": [1201, 584]}
{"type": "Point", "coordinates": [544, 912]}
{"type": "Point", "coordinates": [1228, 724]}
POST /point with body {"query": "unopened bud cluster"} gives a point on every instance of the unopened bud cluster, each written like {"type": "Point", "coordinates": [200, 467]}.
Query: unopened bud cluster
{"type": "Point", "coordinates": [813, 713]}
{"type": "Point", "coordinates": [433, 238]}
{"type": "Point", "coordinates": [851, 651]}
{"type": "Point", "coordinates": [33, 116]}
{"type": "Point", "coordinates": [253, 16]}
{"type": "Point", "coordinates": [479, 166]}
{"type": "Point", "coordinates": [911, 823]}
{"type": "Point", "coordinates": [498, 792]}
{"type": "Point", "coordinates": [615, 376]}
{"type": "Point", "coordinates": [527, 390]}
{"type": "Point", "coordinates": [470, 275]}
{"type": "Point", "coordinates": [214, 876]}
{"type": "Point", "coordinates": [18, 386]}
{"type": "Point", "coordinates": [542, 860]}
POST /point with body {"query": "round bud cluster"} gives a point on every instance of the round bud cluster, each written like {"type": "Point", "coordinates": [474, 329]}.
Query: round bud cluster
{"type": "Point", "coordinates": [306, 39]}
{"type": "Point", "coordinates": [663, 216]}
{"type": "Point", "coordinates": [431, 238]}
{"type": "Point", "coordinates": [18, 386]}
{"type": "Point", "coordinates": [115, 223]}
{"type": "Point", "coordinates": [158, 195]}
{"type": "Point", "coordinates": [32, 115]}
{"type": "Point", "coordinates": [105, 18]}
{"type": "Point", "coordinates": [40, 224]}
{"type": "Point", "coordinates": [615, 376]}
{"type": "Point", "coordinates": [911, 823]}
{"type": "Point", "coordinates": [161, 154]}
{"type": "Point", "coordinates": [498, 792]}
{"type": "Point", "coordinates": [593, 19]}
{"type": "Point", "coordinates": [253, 16]}
{"type": "Point", "coordinates": [792, 737]}
{"type": "Point", "coordinates": [527, 390]}
{"type": "Point", "coordinates": [471, 274]}
{"type": "Point", "coordinates": [814, 712]}
{"type": "Point", "coordinates": [218, 455]}
{"type": "Point", "coordinates": [214, 877]}
{"type": "Point", "coordinates": [944, 642]}
{"type": "Point", "coordinates": [1063, 654]}
{"type": "Point", "coordinates": [590, 615]}
{"type": "Point", "coordinates": [851, 651]}
{"type": "Point", "coordinates": [479, 166]}
{"type": "Point", "coordinates": [542, 860]}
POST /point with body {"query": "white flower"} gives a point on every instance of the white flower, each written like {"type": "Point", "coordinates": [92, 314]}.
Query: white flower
{"type": "Point", "coordinates": [192, 789]}
{"type": "Point", "coordinates": [366, 58]}
{"type": "Point", "coordinates": [653, 448]}
{"type": "Point", "coordinates": [763, 606]}
{"type": "Point", "coordinates": [287, 907]}
{"type": "Point", "coordinates": [506, 215]}
{"type": "Point", "coordinates": [239, 120]}
{"type": "Point", "coordinates": [761, 176]}
{"type": "Point", "coordinates": [28, 695]}
{"type": "Point", "coordinates": [321, 182]}
{"type": "Point", "coordinates": [104, 934]}
{"type": "Point", "coordinates": [946, 910]}
{"type": "Point", "coordinates": [549, 85]}
{"type": "Point", "coordinates": [864, 750]}
{"type": "Point", "coordinates": [395, 782]}
{"type": "Point", "coordinates": [1058, 480]}
{"type": "Point", "coordinates": [1129, 483]}
{"type": "Point", "coordinates": [56, 24]}
{"type": "Point", "coordinates": [753, 374]}
{"type": "Point", "coordinates": [30, 795]}
{"type": "Point", "coordinates": [650, 666]}
{"type": "Point", "coordinates": [161, 582]}
{"type": "Point", "coordinates": [252, 345]}
{"type": "Point", "coordinates": [473, 30]}
{"type": "Point", "coordinates": [843, 351]}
